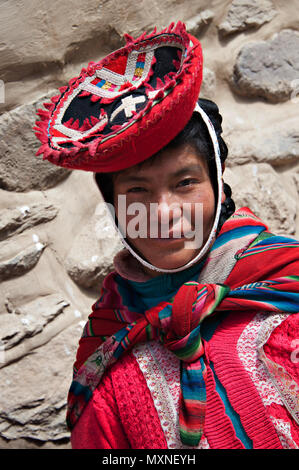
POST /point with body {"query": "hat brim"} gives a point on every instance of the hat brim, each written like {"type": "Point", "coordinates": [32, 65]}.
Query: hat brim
{"type": "Point", "coordinates": [112, 143]}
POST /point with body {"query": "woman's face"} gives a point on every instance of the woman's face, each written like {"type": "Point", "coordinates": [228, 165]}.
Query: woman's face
{"type": "Point", "coordinates": [175, 200]}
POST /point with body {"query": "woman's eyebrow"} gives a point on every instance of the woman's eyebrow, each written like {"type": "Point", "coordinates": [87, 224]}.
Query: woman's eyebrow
{"type": "Point", "coordinates": [182, 171]}
{"type": "Point", "coordinates": [188, 169]}
{"type": "Point", "coordinates": [131, 178]}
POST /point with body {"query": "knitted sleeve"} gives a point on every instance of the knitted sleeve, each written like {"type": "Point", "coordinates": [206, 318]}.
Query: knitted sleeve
{"type": "Point", "coordinates": [99, 426]}
{"type": "Point", "coordinates": [121, 413]}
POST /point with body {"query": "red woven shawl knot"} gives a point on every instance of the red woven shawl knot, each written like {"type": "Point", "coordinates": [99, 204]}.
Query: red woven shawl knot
{"type": "Point", "coordinates": [173, 323]}
{"type": "Point", "coordinates": [191, 304]}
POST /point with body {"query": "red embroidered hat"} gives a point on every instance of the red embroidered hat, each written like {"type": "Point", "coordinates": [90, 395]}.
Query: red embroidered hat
{"type": "Point", "coordinates": [126, 107]}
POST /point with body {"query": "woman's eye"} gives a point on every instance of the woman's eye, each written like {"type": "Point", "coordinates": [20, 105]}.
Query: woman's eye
{"type": "Point", "coordinates": [136, 189]}
{"type": "Point", "coordinates": [187, 182]}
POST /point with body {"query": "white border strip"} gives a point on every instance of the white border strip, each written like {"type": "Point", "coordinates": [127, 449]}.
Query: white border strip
{"type": "Point", "coordinates": [110, 76]}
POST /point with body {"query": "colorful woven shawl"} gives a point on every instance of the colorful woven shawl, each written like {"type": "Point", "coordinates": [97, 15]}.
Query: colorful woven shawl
{"type": "Point", "coordinates": [264, 277]}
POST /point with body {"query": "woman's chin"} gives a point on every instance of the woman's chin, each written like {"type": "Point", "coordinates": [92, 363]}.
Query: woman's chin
{"type": "Point", "coordinates": [174, 261]}
{"type": "Point", "coordinates": [172, 255]}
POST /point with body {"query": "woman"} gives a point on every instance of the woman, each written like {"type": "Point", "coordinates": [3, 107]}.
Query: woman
{"type": "Point", "coordinates": [189, 345]}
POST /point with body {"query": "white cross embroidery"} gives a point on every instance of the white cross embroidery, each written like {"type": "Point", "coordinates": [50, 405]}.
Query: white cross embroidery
{"type": "Point", "coordinates": [128, 106]}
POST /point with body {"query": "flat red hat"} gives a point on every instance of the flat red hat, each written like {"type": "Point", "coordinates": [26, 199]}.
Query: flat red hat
{"type": "Point", "coordinates": [126, 107]}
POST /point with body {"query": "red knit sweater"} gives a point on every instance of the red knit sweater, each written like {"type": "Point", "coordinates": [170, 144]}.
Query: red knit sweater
{"type": "Point", "coordinates": [135, 404]}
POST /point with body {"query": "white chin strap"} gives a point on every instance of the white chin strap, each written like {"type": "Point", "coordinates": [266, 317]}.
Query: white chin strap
{"type": "Point", "coordinates": [211, 237]}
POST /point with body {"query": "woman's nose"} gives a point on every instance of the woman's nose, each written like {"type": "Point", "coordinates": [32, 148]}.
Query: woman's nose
{"type": "Point", "coordinates": [165, 209]}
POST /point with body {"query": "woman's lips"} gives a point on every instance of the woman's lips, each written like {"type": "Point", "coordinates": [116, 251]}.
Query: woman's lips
{"type": "Point", "coordinates": [169, 239]}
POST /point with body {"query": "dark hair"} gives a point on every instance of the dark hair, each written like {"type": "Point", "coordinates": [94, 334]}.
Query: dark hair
{"type": "Point", "coordinates": [195, 133]}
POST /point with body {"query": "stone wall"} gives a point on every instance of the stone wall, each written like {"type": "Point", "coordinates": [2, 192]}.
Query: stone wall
{"type": "Point", "coordinates": [54, 236]}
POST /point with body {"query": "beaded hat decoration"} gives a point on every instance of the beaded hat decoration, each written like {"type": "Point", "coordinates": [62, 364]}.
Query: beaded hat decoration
{"type": "Point", "coordinates": [126, 107]}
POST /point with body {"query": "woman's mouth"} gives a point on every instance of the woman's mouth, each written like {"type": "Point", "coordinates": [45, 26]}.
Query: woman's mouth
{"type": "Point", "coordinates": [167, 239]}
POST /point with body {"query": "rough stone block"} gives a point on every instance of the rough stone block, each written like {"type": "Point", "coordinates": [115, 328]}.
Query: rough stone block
{"type": "Point", "coordinates": [268, 69]}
